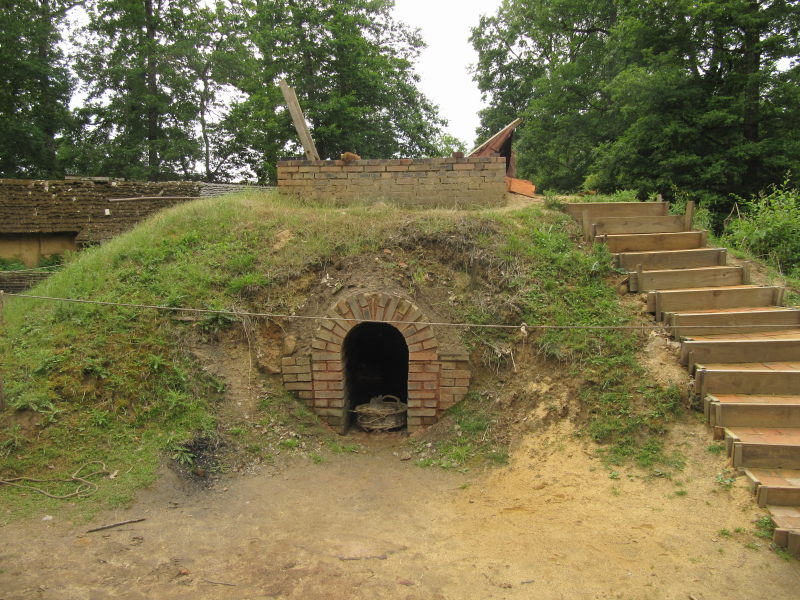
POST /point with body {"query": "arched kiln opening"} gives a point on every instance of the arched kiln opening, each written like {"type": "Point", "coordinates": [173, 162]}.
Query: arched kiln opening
{"type": "Point", "coordinates": [375, 363]}
{"type": "Point", "coordinates": [376, 343]}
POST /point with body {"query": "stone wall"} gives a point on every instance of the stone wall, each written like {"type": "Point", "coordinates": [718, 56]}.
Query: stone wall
{"type": "Point", "coordinates": [412, 183]}
{"type": "Point", "coordinates": [436, 380]}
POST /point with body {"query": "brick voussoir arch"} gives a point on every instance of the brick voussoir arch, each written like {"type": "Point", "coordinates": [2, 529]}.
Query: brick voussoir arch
{"type": "Point", "coordinates": [434, 384]}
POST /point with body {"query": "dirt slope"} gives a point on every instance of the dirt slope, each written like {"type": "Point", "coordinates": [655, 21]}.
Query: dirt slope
{"type": "Point", "coordinates": [552, 524]}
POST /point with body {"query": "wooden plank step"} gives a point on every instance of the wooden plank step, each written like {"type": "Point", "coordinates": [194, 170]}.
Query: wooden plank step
{"type": "Point", "coordinates": [640, 242]}
{"type": "Point", "coordinates": [782, 379]}
{"type": "Point", "coordinates": [784, 334]}
{"type": "Point", "coordinates": [763, 447]}
{"type": "Point", "coordinates": [776, 487]}
{"type": "Point", "coordinates": [616, 209]}
{"type": "Point", "coordinates": [615, 225]}
{"type": "Point", "coordinates": [684, 324]}
{"type": "Point", "coordinates": [787, 527]}
{"type": "Point", "coordinates": [754, 410]}
{"type": "Point", "coordinates": [738, 350]}
{"type": "Point", "coordinates": [671, 279]}
{"type": "Point", "coordinates": [671, 259]}
{"type": "Point", "coordinates": [713, 297]}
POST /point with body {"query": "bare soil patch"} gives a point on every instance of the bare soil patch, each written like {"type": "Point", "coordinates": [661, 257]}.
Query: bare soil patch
{"type": "Point", "coordinates": [554, 523]}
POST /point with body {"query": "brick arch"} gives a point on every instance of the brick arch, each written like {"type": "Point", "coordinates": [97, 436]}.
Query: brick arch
{"type": "Point", "coordinates": [436, 380]}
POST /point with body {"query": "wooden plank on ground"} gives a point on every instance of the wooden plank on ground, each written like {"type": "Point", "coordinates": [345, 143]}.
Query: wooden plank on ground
{"type": "Point", "coordinates": [616, 209]}
{"type": "Point", "coordinates": [640, 242]}
{"type": "Point", "coordinates": [738, 351]}
{"type": "Point", "coordinates": [672, 279]}
{"type": "Point", "coordinates": [721, 297]}
{"type": "Point", "coordinates": [780, 411]}
{"type": "Point", "coordinates": [612, 225]}
{"type": "Point", "coordinates": [683, 324]}
{"type": "Point", "coordinates": [671, 259]}
{"type": "Point", "coordinates": [765, 381]}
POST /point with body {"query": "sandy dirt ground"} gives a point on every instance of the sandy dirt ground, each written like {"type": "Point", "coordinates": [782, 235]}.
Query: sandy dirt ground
{"type": "Point", "coordinates": [553, 523]}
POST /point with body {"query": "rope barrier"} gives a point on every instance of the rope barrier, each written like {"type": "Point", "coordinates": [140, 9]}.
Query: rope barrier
{"type": "Point", "coordinates": [523, 327]}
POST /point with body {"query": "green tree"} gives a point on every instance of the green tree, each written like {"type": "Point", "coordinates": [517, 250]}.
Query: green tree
{"type": "Point", "coordinates": [651, 95]}
{"type": "Point", "coordinates": [139, 117]}
{"type": "Point", "coordinates": [352, 66]}
{"type": "Point", "coordinates": [34, 87]}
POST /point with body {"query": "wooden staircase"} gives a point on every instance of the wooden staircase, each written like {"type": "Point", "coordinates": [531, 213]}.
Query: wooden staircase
{"type": "Point", "coordinates": [738, 340]}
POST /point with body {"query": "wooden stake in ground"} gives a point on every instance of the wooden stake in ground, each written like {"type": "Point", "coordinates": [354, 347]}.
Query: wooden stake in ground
{"type": "Point", "coordinates": [299, 120]}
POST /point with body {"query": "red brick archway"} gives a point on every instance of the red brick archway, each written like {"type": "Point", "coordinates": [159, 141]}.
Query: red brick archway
{"type": "Point", "coordinates": [436, 380]}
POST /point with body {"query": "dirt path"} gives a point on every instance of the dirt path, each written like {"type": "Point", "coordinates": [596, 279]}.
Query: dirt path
{"type": "Point", "coordinates": [373, 526]}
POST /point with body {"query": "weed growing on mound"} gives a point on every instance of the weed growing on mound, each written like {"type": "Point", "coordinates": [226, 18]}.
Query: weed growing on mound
{"type": "Point", "coordinates": [471, 438]}
{"type": "Point", "coordinates": [769, 228]}
{"type": "Point", "coordinates": [548, 280]}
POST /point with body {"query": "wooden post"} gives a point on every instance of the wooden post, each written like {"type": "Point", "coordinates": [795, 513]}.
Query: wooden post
{"type": "Point", "coordinates": [299, 121]}
{"type": "Point", "coordinates": [746, 272]}
{"type": "Point", "coordinates": [586, 225]}
{"type": "Point", "coordinates": [723, 257]}
{"type": "Point", "coordinates": [659, 313]}
{"type": "Point", "coordinates": [639, 278]}
{"type": "Point", "coordinates": [703, 238]}
{"type": "Point", "coordinates": [779, 295]}
{"type": "Point", "coordinates": [688, 217]}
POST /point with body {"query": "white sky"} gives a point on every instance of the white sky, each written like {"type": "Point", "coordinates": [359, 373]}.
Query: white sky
{"type": "Point", "coordinates": [444, 64]}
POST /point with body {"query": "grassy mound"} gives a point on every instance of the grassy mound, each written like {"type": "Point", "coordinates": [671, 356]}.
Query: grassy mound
{"type": "Point", "coordinates": [120, 385]}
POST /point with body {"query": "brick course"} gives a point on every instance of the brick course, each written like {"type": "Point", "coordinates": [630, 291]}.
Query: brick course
{"type": "Point", "coordinates": [435, 381]}
{"type": "Point", "coordinates": [418, 183]}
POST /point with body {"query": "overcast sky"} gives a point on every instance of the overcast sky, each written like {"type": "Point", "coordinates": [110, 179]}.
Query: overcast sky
{"type": "Point", "coordinates": [444, 64]}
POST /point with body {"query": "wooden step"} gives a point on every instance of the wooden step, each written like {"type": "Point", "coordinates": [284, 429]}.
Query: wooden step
{"type": "Point", "coordinates": [729, 321]}
{"type": "Point", "coordinates": [616, 209]}
{"type": "Point", "coordinates": [783, 334]}
{"type": "Point", "coordinates": [763, 447]}
{"type": "Point", "coordinates": [781, 379]}
{"type": "Point", "coordinates": [777, 487]}
{"type": "Point", "coordinates": [671, 259]}
{"type": "Point", "coordinates": [686, 300]}
{"type": "Point", "coordinates": [616, 225]}
{"type": "Point", "coordinates": [738, 350]}
{"type": "Point", "coordinates": [671, 279]}
{"type": "Point", "coordinates": [753, 410]}
{"type": "Point", "coordinates": [640, 242]}
{"type": "Point", "coordinates": [787, 527]}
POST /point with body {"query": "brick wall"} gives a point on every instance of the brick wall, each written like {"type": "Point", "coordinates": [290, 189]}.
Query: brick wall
{"type": "Point", "coordinates": [412, 183]}
{"type": "Point", "coordinates": [436, 380]}
{"type": "Point", "coordinates": [82, 206]}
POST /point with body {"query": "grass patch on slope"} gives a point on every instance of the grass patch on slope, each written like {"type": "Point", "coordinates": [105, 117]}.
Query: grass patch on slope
{"type": "Point", "coordinates": [555, 282]}
{"type": "Point", "coordinates": [119, 385]}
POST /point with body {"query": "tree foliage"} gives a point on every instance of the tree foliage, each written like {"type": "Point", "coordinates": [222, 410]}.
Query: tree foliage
{"type": "Point", "coordinates": [189, 89]}
{"type": "Point", "coordinates": [352, 66]}
{"type": "Point", "coordinates": [653, 95]}
{"type": "Point", "coordinates": [34, 87]}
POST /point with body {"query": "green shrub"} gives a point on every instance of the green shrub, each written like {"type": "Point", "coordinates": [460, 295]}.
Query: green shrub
{"type": "Point", "coordinates": [769, 228]}
{"type": "Point", "coordinates": [12, 264]}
